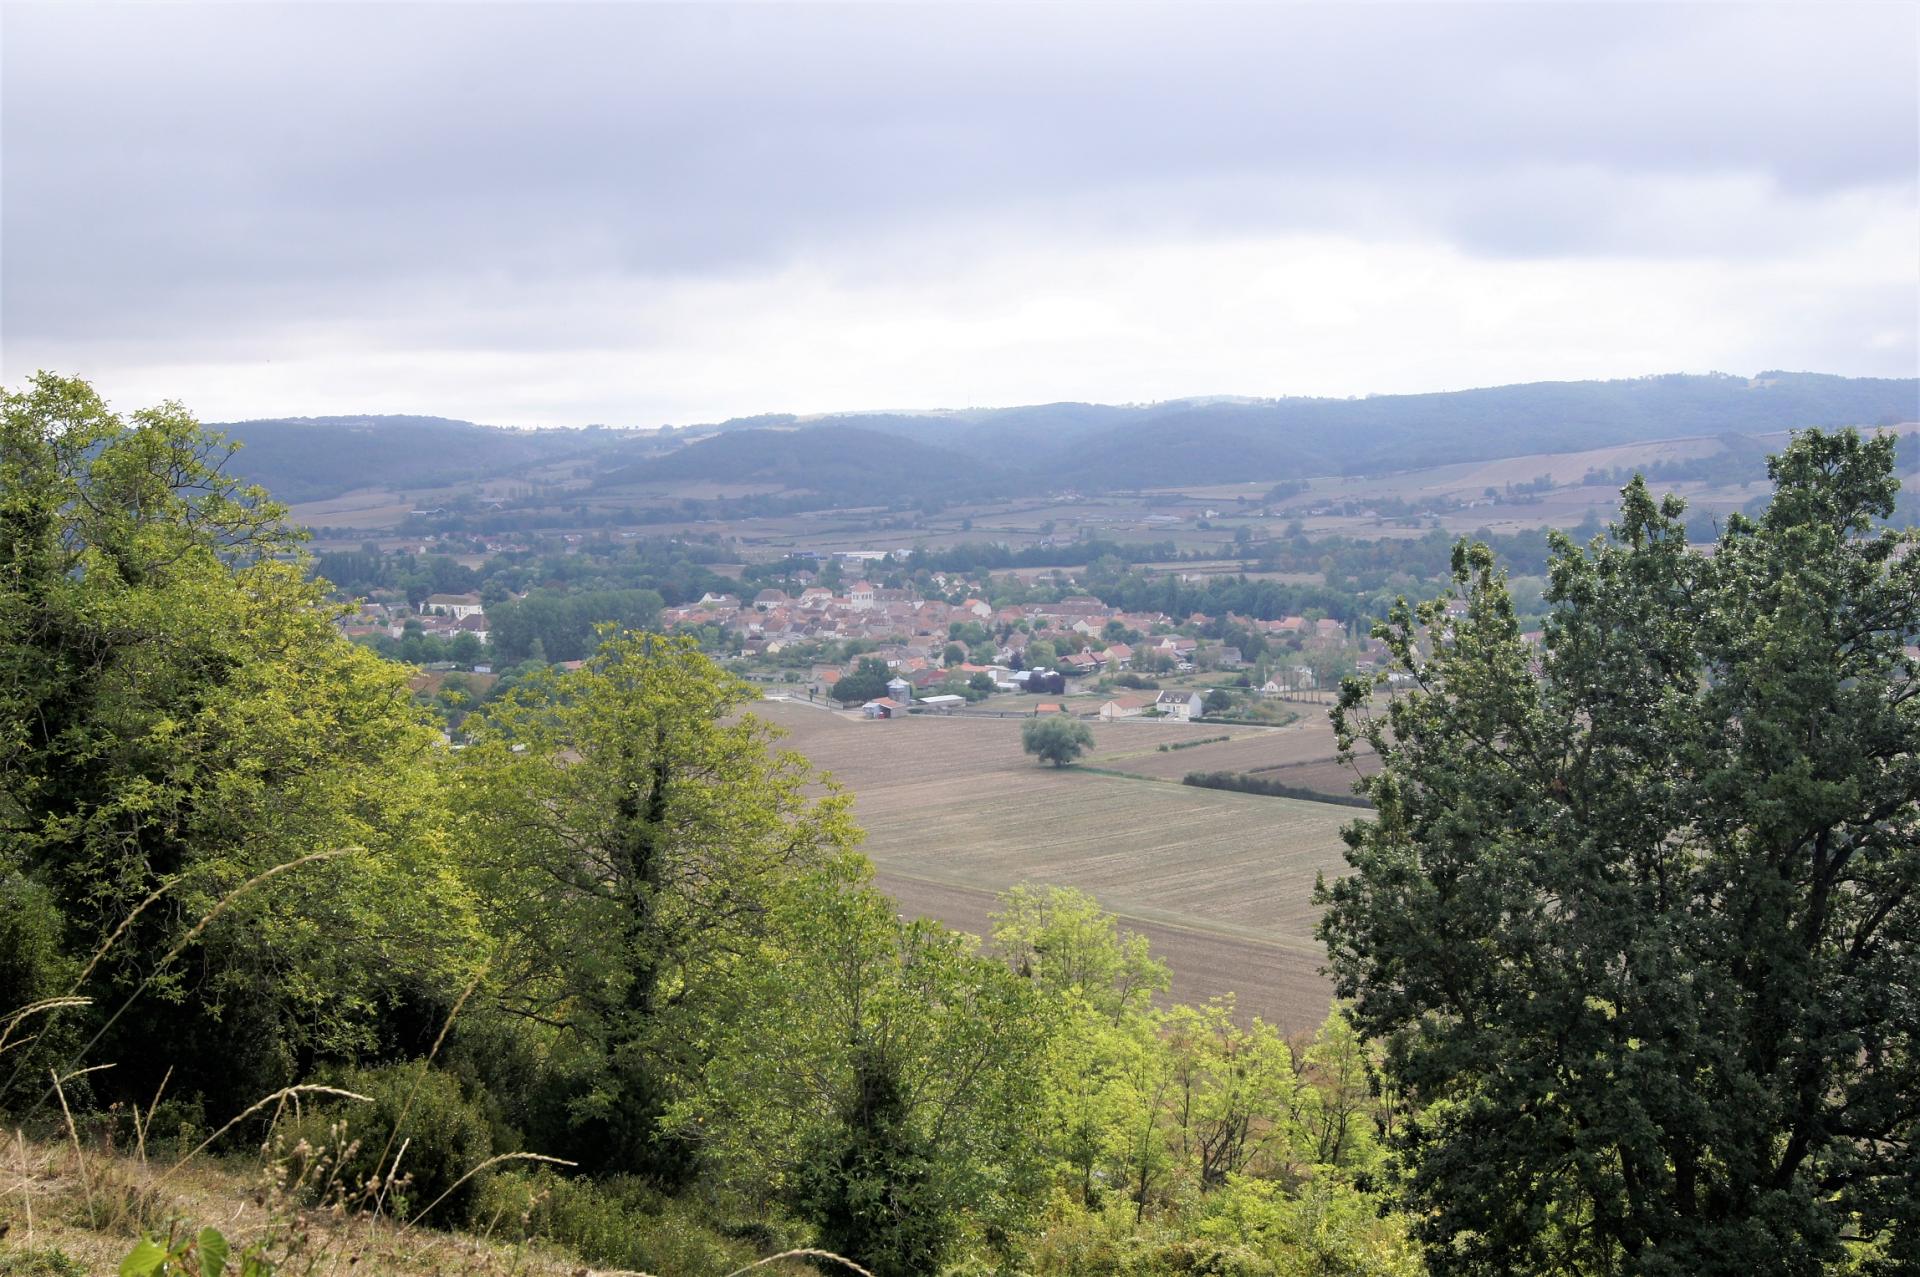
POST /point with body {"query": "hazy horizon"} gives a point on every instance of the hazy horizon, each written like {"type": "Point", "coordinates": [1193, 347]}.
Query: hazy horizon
{"type": "Point", "coordinates": [936, 410]}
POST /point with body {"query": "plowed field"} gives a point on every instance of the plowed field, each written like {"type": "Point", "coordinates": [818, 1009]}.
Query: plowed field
{"type": "Point", "coordinates": [1220, 882]}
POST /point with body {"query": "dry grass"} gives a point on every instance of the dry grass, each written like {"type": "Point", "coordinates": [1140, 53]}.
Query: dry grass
{"type": "Point", "coordinates": [94, 1212]}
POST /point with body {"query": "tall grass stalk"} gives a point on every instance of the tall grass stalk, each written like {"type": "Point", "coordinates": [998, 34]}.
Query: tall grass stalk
{"type": "Point", "coordinates": [804, 1252]}
{"type": "Point", "coordinates": [26, 1180]}
{"type": "Point", "coordinates": [43, 1007]}
{"type": "Point", "coordinates": [278, 1097]}
{"type": "Point", "coordinates": [140, 1127]}
{"type": "Point", "coordinates": [495, 1160]}
{"type": "Point", "coordinates": [79, 1155]}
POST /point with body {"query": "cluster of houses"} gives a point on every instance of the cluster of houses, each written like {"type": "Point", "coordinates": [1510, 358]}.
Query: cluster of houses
{"type": "Point", "coordinates": [445, 616]}
{"type": "Point", "coordinates": [910, 634]}
{"type": "Point", "coordinates": [918, 627]}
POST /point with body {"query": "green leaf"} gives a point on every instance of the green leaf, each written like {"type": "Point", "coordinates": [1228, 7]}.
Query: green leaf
{"type": "Point", "coordinates": [144, 1260]}
{"type": "Point", "coordinates": [213, 1253]}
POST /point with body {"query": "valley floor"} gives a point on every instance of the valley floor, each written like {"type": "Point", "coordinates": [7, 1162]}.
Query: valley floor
{"type": "Point", "coordinates": [1220, 883]}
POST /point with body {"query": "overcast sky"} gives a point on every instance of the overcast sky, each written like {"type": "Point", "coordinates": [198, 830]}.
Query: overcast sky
{"type": "Point", "coordinates": [636, 214]}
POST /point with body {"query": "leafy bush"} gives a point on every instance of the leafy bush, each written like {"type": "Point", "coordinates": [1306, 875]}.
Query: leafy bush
{"type": "Point", "coordinates": [1189, 744]}
{"type": "Point", "coordinates": [40, 1261]}
{"type": "Point", "coordinates": [446, 1136]}
{"type": "Point", "coordinates": [620, 1222]}
{"type": "Point", "coordinates": [32, 967]}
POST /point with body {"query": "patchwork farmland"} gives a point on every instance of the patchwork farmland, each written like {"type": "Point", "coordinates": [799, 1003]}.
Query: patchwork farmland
{"type": "Point", "coordinates": [1220, 883]}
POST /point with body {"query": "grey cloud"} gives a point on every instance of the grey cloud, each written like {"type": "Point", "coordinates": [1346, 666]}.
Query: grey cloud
{"type": "Point", "coordinates": [186, 166]}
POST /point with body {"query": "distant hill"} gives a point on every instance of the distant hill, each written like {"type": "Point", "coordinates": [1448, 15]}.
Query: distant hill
{"type": "Point", "coordinates": [313, 458]}
{"type": "Point", "coordinates": [878, 458]}
{"type": "Point", "coordinates": [1095, 447]}
{"type": "Point", "coordinates": [848, 465]}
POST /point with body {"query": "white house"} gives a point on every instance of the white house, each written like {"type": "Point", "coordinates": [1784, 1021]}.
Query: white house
{"type": "Point", "coordinates": [457, 606]}
{"type": "Point", "coordinates": [1184, 706]}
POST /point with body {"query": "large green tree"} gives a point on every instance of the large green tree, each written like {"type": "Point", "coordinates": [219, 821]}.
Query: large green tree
{"type": "Point", "coordinates": [631, 831]}
{"type": "Point", "coordinates": [177, 717]}
{"type": "Point", "coordinates": [1637, 914]}
{"type": "Point", "coordinates": [880, 1077]}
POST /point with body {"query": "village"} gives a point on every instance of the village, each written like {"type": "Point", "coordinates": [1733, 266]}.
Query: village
{"type": "Point", "coordinates": [946, 650]}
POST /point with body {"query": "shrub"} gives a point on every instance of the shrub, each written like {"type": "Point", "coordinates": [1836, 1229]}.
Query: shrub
{"type": "Point", "coordinates": [445, 1133]}
{"type": "Point", "coordinates": [41, 1261]}
{"type": "Point", "coordinates": [620, 1222]}
{"type": "Point", "coordinates": [1241, 783]}
{"type": "Point", "coordinates": [32, 968]}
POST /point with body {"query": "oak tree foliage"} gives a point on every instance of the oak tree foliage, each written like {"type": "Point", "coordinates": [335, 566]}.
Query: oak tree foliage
{"type": "Point", "coordinates": [1637, 913]}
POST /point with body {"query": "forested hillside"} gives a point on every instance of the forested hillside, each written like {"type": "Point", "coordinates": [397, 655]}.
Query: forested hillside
{"type": "Point", "coordinates": [849, 465]}
{"type": "Point", "coordinates": [312, 458]}
{"type": "Point", "coordinates": [1096, 448]}
{"type": "Point", "coordinates": [869, 458]}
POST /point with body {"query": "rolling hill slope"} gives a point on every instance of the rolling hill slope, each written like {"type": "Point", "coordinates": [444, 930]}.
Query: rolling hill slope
{"type": "Point", "coordinates": [847, 464]}
{"type": "Point", "coordinates": [877, 458]}
{"type": "Point", "coordinates": [312, 458]}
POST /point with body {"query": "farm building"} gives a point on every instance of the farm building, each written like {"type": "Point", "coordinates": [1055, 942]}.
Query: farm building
{"type": "Point", "coordinates": [945, 704]}
{"type": "Point", "coordinates": [885, 707]}
{"type": "Point", "coordinates": [1125, 707]}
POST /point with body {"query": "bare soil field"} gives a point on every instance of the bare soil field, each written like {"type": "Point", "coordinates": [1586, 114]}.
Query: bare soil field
{"type": "Point", "coordinates": [952, 806]}
{"type": "Point", "coordinates": [365, 508]}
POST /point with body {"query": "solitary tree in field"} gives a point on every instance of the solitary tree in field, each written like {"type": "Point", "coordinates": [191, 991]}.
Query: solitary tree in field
{"type": "Point", "coordinates": [1055, 740]}
{"type": "Point", "coordinates": [1639, 916]}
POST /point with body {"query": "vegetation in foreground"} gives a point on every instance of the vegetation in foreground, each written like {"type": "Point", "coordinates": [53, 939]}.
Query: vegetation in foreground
{"type": "Point", "coordinates": [1633, 928]}
{"type": "Point", "coordinates": [614, 971]}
